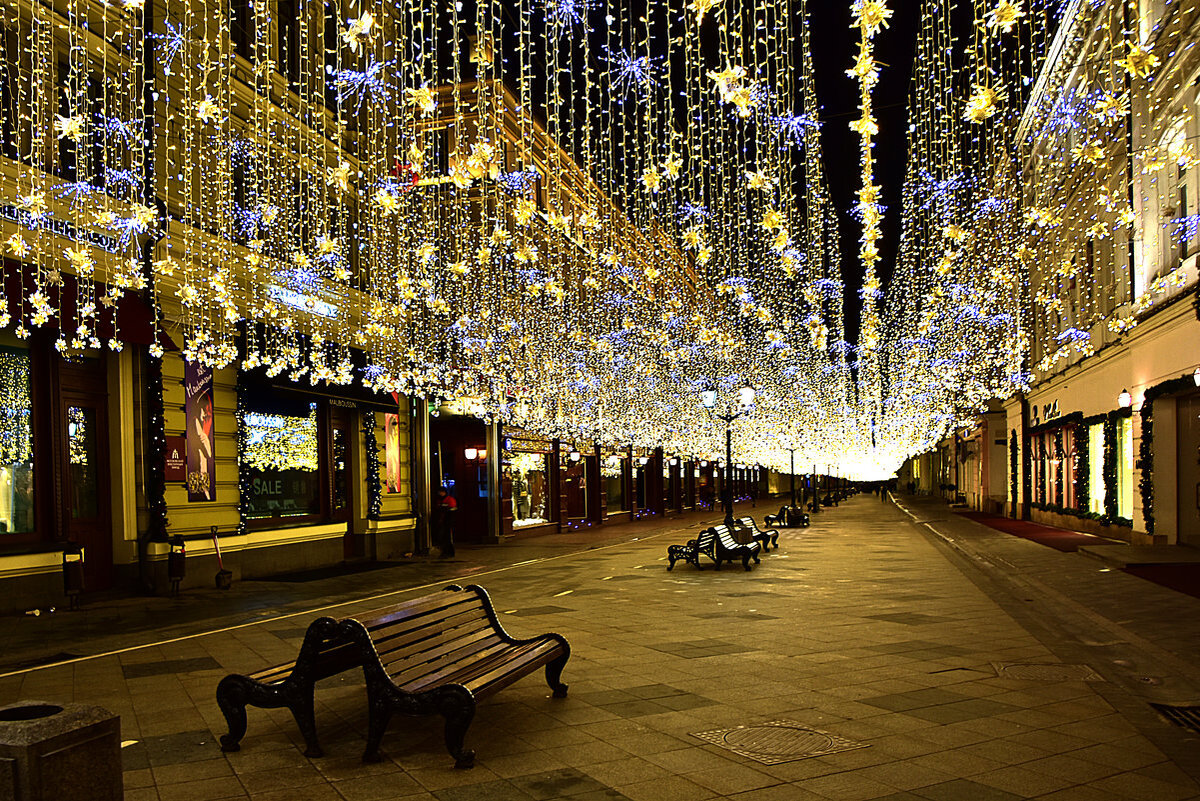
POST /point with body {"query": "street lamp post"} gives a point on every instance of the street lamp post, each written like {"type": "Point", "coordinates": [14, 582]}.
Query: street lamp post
{"type": "Point", "coordinates": [745, 402]}
{"type": "Point", "coordinates": [816, 491]}
{"type": "Point", "coordinates": [793, 452]}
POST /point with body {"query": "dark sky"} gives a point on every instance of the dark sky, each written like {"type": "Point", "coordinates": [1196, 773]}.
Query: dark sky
{"type": "Point", "coordinates": [834, 45]}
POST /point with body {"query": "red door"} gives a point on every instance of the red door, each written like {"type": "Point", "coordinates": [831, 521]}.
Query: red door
{"type": "Point", "coordinates": [86, 485]}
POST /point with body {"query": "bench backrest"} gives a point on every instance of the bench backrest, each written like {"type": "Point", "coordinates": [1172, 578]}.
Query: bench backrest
{"type": "Point", "coordinates": [729, 542]}
{"type": "Point", "coordinates": [704, 539]}
{"type": "Point", "coordinates": [748, 522]}
{"type": "Point", "coordinates": [413, 637]}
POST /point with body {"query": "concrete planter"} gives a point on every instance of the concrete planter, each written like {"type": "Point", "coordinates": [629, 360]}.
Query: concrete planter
{"type": "Point", "coordinates": [50, 752]}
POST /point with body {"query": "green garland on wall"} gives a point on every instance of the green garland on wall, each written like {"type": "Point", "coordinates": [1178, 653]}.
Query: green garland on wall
{"type": "Point", "coordinates": [156, 446]}
{"type": "Point", "coordinates": [374, 488]}
{"type": "Point", "coordinates": [1059, 480]}
{"type": "Point", "coordinates": [1145, 462]}
{"type": "Point", "coordinates": [1108, 469]}
{"type": "Point", "coordinates": [245, 489]}
{"type": "Point", "coordinates": [1013, 448]}
{"type": "Point", "coordinates": [1083, 469]}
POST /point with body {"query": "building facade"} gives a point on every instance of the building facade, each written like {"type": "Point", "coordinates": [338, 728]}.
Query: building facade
{"type": "Point", "coordinates": [127, 453]}
{"type": "Point", "coordinates": [1107, 439]}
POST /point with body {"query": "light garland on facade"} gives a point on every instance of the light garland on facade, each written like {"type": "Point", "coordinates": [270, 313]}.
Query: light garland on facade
{"type": "Point", "coordinates": [373, 176]}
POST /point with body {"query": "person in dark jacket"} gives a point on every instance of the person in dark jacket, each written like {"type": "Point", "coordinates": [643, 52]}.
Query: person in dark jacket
{"type": "Point", "coordinates": [443, 521]}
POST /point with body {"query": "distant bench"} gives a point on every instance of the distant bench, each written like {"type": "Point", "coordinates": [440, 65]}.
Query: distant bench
{"type": "Point", "coordinates": [440, 654]}
{"type": "Point", "coordinates": [718, 544]}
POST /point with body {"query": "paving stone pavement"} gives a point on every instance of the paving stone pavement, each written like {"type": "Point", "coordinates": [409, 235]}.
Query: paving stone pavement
{"type": "Point", "coordinates": [866, 626]}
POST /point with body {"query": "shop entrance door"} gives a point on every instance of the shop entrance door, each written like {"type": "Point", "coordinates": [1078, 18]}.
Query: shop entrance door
{"type": "Point", "coordinates": [86, 485]}
{"type": "Point", "coordinates": [1189, 469]}
{"type": "Point", "coordinates": [341, 495]}
{"type": "Point", "coordinates": [575, 489]}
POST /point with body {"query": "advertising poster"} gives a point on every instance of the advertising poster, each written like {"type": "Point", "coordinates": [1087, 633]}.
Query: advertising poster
{"type": "Point", "coordinates": [201, 438]}
{"type": "Point", "coordinates": [391, 442]}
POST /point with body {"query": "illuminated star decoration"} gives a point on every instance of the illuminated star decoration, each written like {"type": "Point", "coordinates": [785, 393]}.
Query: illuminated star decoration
{"type": "Point", "coordinates": [1140, 61]}
{"type": "Point", "coordinates": [175, 38]}
{"type": "Point", "coordinates": [118, 127]}
{"type": "Point", "coordinates": [371, 82]}
{"type": "Point", "coordinates": [519, 182]}
{"type": "Point", "coordinates": [794, 126]}
{"type": "Point", "coordinates": [1005, 15]}
{"type": "Point", "coordinates": [938, 191]}
{"type": "Point", "coordinates": [629, 71]}
{"type": "Point", "coordinates": [689, 210]}
{"type": "Point", "coordinates": [565, 13]}
{"type": "Point", "coordinates": [76, 190]}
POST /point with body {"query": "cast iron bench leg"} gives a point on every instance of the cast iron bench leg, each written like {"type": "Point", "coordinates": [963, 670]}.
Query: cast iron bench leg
{"type": "Point", "coordinates": [457, 706]}
{"type": "Point", "coordinates": [235, 692]}
{"type": "Point", "coordinates": [746, 559]}
{"type": "Point", "coordinates": [379, 714]}
{"type": "Point", "coordinates": [554, 675]}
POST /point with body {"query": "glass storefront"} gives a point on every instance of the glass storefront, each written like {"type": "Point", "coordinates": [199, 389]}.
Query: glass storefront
{"type": "Point", "coordinates": [612, 470]}
{"type": "Point", "coordinates": [1096, 469]}
{"type": "Point", "coordinates": [16, 442]}
{"type": "Point", "coordinates": [1125, 467]}
{"type": "Point", "coordinates": [529, 474]}
{"type": "Point", "coordinates": [282, 454]}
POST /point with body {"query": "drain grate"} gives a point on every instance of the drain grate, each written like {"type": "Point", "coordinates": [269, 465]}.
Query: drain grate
{"type": "Point", "coordinates": [1045, 671]}
{"type": "Point", "coordinates": [1185, 717]}
{"type": "Point", "coordinates": [778, 741]}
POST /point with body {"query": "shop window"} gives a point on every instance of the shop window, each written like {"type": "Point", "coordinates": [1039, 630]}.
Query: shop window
{"type": "Point", "coordinates": [529, 474]}
{"type": "Point", "coordinates": [1125, 467]}
{"type": "Point", "coordinates": [16, 443]}
{"type": "Point", "coordinates": [1096, 468]}
{"type": "Point", "coordinates": [613, 472]}
{"type": "Point", "coordinates": [283, 457]}
{"type": "Point", "coordinates": [82, 456]}
{"type": "Point", "coordinates": [1070, 468]}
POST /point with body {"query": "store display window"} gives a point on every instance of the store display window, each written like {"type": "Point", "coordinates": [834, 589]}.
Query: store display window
{"type": "Point", "coordinates": [282, 453]}
{"type": "Point", "coordinates": [16, 442]}
{"type": "Point", "coordinates": [529, 474]}
{"type": "Point", "coordinates": [612, 471]}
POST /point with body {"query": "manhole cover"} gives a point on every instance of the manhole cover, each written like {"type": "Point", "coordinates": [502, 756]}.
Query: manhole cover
{"type": "Point", "coordinates": [1045, 671]}
{"type": "Point", "coordinates": [1185, 717]}
{"type": "Point", "coordinates": [778, 741]}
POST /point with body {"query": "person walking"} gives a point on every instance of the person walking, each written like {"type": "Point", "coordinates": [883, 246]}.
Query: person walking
{"type": "Point", "coordinates": [444, 521]}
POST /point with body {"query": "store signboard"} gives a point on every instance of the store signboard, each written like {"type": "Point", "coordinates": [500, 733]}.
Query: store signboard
{"type": "Point", "coordinates": [175, 460]}
{"type": "Point", "coordinates": [201, 435]}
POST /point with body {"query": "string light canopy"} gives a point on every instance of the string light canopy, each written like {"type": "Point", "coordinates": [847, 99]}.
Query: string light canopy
{"type": "Point", "coordinates": [572, 216]}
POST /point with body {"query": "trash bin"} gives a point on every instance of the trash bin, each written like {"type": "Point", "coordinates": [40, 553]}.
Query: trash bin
{"type": "Point", "coordinates": [53, 752]}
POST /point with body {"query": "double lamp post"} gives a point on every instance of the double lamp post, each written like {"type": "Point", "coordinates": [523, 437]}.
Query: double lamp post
{"type": "Point", "coordinates": [732, 411]}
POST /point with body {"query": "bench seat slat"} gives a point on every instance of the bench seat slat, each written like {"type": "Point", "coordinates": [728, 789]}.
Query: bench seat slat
{"type": "Point", "coordinates": [486, 666]}
{"type": "Point", "coordinates": [511, 669]}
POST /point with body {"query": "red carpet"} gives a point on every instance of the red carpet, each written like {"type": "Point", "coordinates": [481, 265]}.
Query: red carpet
{"type": "Point", "coordinates": [1059, 539]}
{"type": "Point", "coordinates": [1181, 578]}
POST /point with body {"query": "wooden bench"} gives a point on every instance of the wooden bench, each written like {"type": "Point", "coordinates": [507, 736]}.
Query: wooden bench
{"type": "Point", "coordinates": [324, 653]}
{"type": "Point", "coordinates": [788, 517]}
{"type": "Point", "coordinates": [441, 654]}
{"type": "Point", "coordinates": [768, 537]}
{"type": "Point", "coordinates": [718, 544]}
{"type": "Point", "coordinates": [728, 549]}
{"type": "Point", "coordinates": [704, 543]}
